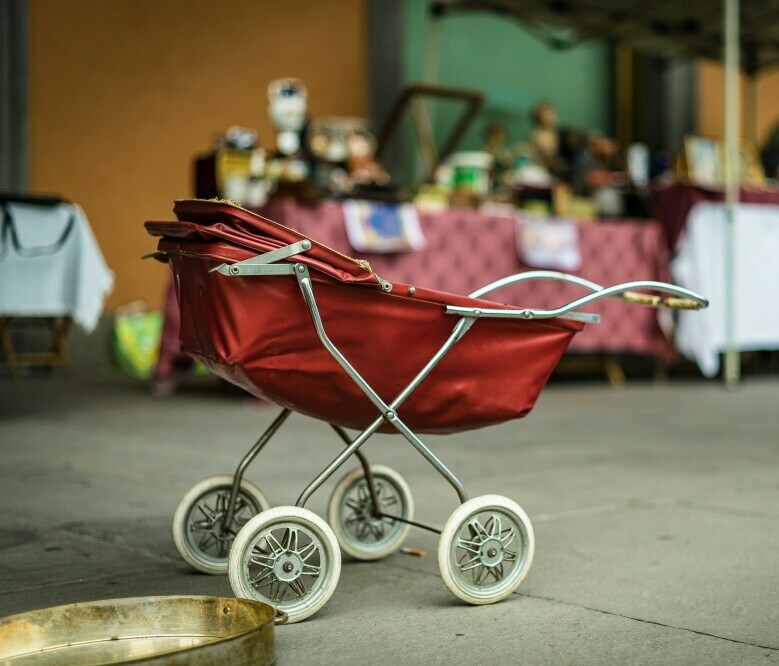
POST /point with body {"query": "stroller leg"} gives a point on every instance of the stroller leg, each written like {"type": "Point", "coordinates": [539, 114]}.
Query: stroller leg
{"type": "Point", "coordinates": [247, 459]}
{"type": "Point", "coordinates": [388, 412]}
{"type": "Point", "coordinates": [442, 469]}
{"type": "Point", "coordinates": [366, 468]}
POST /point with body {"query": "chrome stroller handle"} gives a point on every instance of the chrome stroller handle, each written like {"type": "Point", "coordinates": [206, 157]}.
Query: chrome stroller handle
{"type": "Point", "coordinates": [680, 298]}
{"type": "Point", "coordinates": [534, 275]}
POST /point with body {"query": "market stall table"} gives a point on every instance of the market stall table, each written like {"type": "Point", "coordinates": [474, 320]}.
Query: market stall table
{"type": "Point", "coordinates": [52, 272]}
{"type": "Point", "coordinates": [673, 203]}
{"type": "Point", "coordinates": [466, 249]}
{"type": "Point", "coordinates": [698, 265]}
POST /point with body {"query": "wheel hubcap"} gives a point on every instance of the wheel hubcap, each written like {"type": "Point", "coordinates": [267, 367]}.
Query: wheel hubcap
{"type": "Point", "coordinates": [285, 564]}
{"type": "Point", "coordinates": [207, 529]}
{"type": "Point", "coordinates": [358, 516]}
{"type": "Point", "coordinates": [488, 553]}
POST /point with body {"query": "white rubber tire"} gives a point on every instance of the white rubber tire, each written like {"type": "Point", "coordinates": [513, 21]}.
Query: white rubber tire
{"type": "Point", "coordinates": [188, 551]}
{"type": "Point", "coordinates": [348, 542]}
{"type": "Point", "coordinates": [253, 531]}
{"type": "Point", "coordinates": [455, 582]}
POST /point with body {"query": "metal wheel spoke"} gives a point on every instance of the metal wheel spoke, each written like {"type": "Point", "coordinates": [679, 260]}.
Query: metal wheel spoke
{"type": "Point", "coordinates": [298, 588]}
{"type": "Point", "coordinates": [508, 539]}
{"type": "Point", "coordinates": [496, 526]}
{"type": "Point", "coordinates": [221, 547]}
{"type": "Point", "coordinates": [509, 556]}
{"type": "Point", "coordinates": [309, 570]}
{"type": "Point", "coordinates": [267, 575]}
{"type": "Point", "coordinates": [221, 502]}
{"type": "Point", "coordinates": [201, 526]}
{"type": "Point", "coordinates": [353, 504]}
{"type": "Point", "coordinates": [362, 491]}
{"type": "Point", "coordinates": [307, 551]}
{"type": "Point", "coordinates": [473, 563]}
{"type": "Point", "coordinates": [468, 546]}
{"type": "Point", "coordinates": [206, 510]}
{"type": "Point", "coordinates": [275, 592]}
{"type": "Point", "coordinates": [389, 501]}
{"type": "Point", "coordinates": [497, 572]}
{"type": "Point", "coordinates": [290, 540]}
{"type": "Point", "coordinates": [206, 541]}
{"type": "Point", "coordinates": [257, 557]}
{"type": "Point", "coordinates": [273, 543]}
{"type": "Point", "coordinates": [480, 575]}
{"type": "Point", "coordinates": [478, 529]}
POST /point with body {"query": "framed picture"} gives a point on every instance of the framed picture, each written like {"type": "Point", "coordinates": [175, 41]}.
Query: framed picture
{"type": "Point", "coordinates": [750, 167]}
{"type": "Point", "coordinates": [703, 159]}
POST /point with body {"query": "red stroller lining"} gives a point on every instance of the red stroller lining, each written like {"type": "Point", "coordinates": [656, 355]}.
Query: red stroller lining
{"type": "Point", "coordinates": [257, 331]}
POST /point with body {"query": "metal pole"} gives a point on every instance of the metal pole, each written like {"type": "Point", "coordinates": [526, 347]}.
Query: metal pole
{"type": "Point", "coordinates": [730, 31]}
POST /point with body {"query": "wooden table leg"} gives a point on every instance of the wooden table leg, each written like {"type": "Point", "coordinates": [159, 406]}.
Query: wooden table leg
{"type": "Point", "coordinates": [8, 345]}
{"type": "Point", "coordinates": [59, 332]}
{"type": "Point", "coordinates": [613, 370]}
{"type": "Point", "coordinates": [57, 355]}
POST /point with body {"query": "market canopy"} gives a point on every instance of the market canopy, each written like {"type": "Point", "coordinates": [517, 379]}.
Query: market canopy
{"type": "Point", "coordinates": [672, 28]}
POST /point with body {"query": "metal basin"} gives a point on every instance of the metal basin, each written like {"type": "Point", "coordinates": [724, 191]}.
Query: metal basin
{"type": "Point", "coordinates": [195, 631]}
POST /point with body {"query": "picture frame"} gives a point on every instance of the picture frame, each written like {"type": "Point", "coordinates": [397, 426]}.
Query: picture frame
{"type": "Point", "coordinates": [703, 160]}
{"type": "Point", "coordinates": [750, 167]}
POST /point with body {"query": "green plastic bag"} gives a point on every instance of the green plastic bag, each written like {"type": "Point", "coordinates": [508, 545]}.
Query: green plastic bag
{"type": "Point", "coordinates": [137, 342]}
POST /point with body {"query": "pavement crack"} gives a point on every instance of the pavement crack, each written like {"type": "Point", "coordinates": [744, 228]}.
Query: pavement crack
{"type": "Point", "coordinates": [645, 621]}
{"type": "Point", "coordinates": [398, 565]}
{"type": "Point", "coordinates": [724, 510]}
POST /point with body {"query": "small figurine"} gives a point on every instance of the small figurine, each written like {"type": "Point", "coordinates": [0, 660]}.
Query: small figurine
{"type": "Point", "coordinates": [503, 157]}
{"type": "Point", "coordinates": [544, 138]}
{"type": "Point", "coordinates": [344, 153]}
{"type": "Point", "coordinates": [287, 104]}
{"type": "Point", "coordinates": [364, 169]}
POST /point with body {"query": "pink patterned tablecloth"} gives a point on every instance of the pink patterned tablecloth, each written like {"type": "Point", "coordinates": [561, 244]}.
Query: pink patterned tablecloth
{"type": "Point", "coordinates": [467, 249]}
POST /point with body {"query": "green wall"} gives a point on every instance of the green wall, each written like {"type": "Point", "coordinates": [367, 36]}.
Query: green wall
{"type": "Point", "coordinates": [513, 68]}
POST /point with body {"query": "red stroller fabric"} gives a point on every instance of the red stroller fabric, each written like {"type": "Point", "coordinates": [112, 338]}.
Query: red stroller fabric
{"type": "Point", "coordinates": [256, 331]}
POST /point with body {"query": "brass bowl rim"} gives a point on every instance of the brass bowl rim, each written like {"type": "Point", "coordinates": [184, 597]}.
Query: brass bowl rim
{"type": "Point", "coordinates": [150, 600]}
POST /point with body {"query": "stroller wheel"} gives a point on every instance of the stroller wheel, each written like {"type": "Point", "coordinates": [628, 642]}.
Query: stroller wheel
{"type": "Point", "coordinates": [350, 513]}
{"type": "Point", "coordinates": [486, 549]}
{"type": "Point", "coordinates": [286, 557]}
{"type": "Point", "coordinates": [198, 523]}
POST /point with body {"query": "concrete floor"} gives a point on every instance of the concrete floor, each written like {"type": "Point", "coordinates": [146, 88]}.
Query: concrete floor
{"type": "Point", "coordinates": [656, 510]}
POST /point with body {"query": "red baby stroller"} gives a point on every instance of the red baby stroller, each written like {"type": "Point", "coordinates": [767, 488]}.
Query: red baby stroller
{"type": "Point", "coordinates": [380, 356]}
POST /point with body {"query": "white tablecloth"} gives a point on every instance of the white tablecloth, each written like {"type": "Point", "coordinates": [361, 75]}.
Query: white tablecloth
{"type": "Point", "coordinates": [700, 266]}
{"type": "Point", "coordinates": [40, 277]}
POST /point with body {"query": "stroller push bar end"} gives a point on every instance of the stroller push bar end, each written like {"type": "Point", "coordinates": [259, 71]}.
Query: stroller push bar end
{"type": "Point", "coordinates": [680, 299]}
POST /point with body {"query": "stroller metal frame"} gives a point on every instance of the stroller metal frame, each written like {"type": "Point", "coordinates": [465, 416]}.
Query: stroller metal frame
{"type": "Point", "coordinates": [266, 265]}
{"type": "Point", "coordinates": [259, 338]}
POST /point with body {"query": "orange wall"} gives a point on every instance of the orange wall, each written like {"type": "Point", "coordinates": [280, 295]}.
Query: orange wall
{"type": "Point", "coordinates": [711, 109]}
{"type": "Point", "coordinates": [123, 93]}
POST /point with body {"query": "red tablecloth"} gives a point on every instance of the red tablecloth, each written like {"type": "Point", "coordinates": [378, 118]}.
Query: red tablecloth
{"type": "Point", "coordinates": [467, 249]}
{"type": "Point", "coordinates": [673, 203]}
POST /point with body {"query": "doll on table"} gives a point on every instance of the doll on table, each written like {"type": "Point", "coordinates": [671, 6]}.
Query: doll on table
{"type": "Point", "coordinates": [544, 140]}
